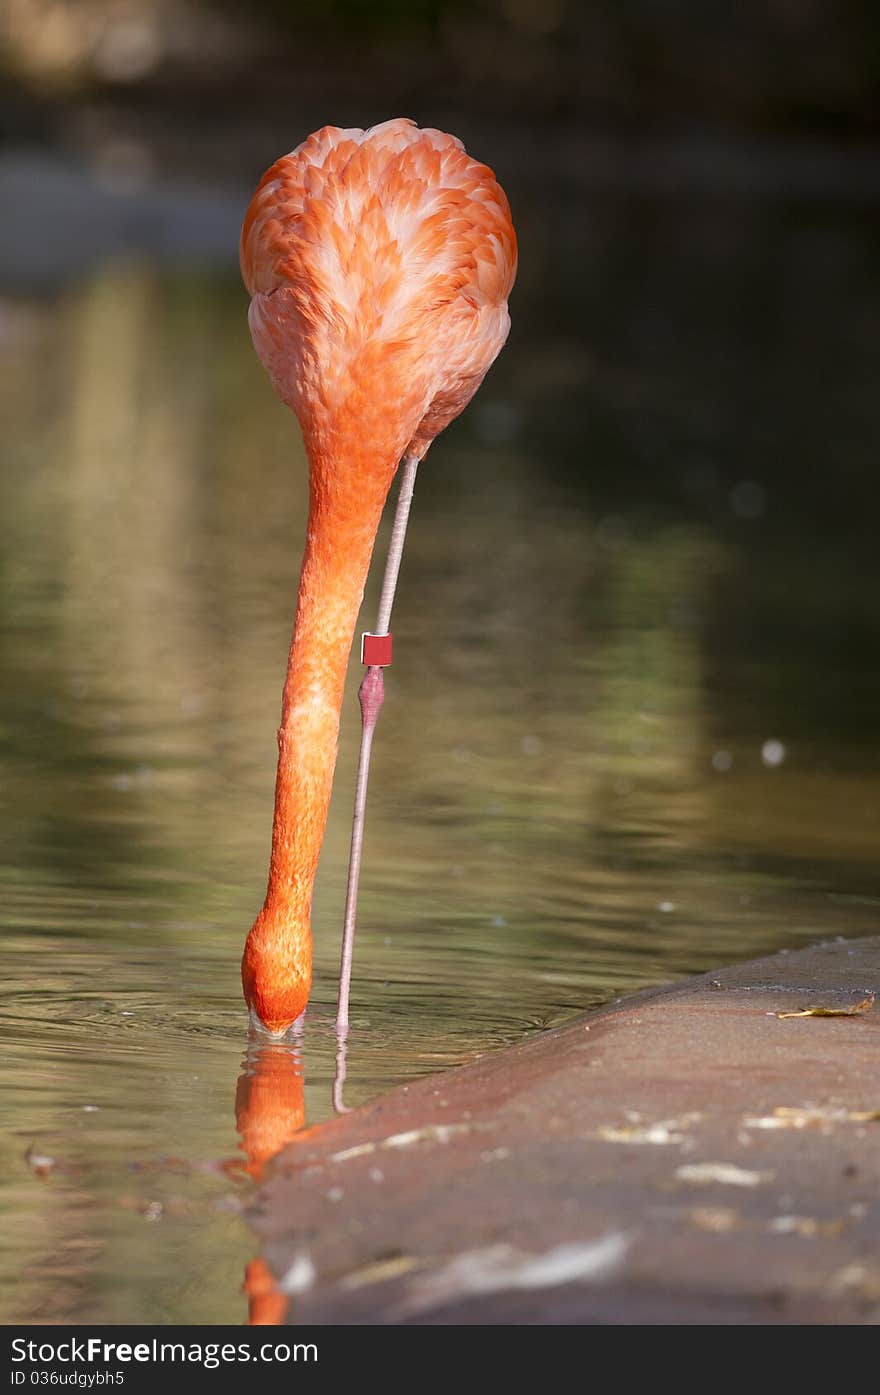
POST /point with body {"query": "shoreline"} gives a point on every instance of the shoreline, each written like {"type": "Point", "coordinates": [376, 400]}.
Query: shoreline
{"type": "Point", "coordinates": [685, 1155]}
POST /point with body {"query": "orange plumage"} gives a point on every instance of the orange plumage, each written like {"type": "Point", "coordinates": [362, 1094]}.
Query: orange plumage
{"type": "Point", "coordinates": [379, 264]}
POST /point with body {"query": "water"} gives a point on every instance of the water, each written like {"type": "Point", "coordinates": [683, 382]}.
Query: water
{"type": "Point", "coordinates": [648, 551]}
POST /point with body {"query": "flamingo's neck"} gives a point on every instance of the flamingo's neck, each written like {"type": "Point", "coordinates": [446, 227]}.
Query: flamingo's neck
{"type": "Point", "coordinates": [346, 501]}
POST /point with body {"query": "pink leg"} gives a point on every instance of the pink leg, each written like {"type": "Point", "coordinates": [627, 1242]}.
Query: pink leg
{"type": "Point", "coordinates": [371, 697]}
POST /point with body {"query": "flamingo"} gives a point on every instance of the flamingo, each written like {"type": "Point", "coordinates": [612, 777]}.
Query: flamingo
{"type": "Point", "coordinates": [379, 264]}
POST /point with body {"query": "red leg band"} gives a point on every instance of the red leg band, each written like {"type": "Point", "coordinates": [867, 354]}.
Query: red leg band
{"type": "Point", "coordinates": [376, 650]}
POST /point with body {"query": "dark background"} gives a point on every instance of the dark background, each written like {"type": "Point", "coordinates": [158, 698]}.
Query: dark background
{"type": "Point", "coordinates": [805, 69]}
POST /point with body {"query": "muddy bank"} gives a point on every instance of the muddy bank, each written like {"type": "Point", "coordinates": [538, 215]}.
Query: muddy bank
{"type": "Point", "coordinates": [697, 1154]}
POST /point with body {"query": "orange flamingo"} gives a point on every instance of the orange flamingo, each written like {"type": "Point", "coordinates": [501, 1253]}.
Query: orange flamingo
{"type": "Point", "coordinates": [379, 264]}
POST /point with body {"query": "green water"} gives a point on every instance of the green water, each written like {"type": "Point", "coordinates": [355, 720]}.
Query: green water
{"type": "Point", "coordinates": [648, 550]}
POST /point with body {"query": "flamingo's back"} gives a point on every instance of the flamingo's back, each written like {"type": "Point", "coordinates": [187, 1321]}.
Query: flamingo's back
{"type": "Point", "coordinates": [379, 262]}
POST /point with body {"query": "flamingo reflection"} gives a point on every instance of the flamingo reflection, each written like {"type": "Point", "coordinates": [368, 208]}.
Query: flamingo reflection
{"type": "Point", "coordinates": [269, 1114]}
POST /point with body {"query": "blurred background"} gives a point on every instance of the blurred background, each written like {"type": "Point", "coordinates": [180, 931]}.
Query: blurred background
{"type": "Point", "coordinates": [797, 68]}
{"type": "Point", "coordinates": [631, 729]}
